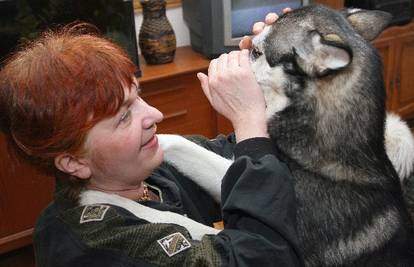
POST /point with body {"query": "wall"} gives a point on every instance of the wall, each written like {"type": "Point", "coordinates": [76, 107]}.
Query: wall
{"type": "Point", "coordinates": [175, 16]}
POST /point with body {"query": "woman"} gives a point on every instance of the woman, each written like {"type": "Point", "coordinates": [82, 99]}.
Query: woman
{"type": "Point", "coordinates": [70, 105]}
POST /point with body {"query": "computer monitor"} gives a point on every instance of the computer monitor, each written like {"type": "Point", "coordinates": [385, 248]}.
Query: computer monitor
{"type": "Point", "coordinates": [217, 26]}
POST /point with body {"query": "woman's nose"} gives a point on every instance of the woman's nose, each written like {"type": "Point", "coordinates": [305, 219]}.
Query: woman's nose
{"type": "Point", "coordinates": [158, 116]}
{"type": "Point", "coordinates": [152, 116]}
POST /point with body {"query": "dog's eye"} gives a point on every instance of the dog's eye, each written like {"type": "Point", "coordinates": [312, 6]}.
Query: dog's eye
{"type": "Point", "coordinates": [291, 68]}
{"type": "Point", "coordinates": [288, 67]}
{"type": "Point", "coordinates": [256, 53]}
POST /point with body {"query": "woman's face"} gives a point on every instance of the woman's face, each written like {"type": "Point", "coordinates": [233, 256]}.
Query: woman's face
{"type": "Point", "coordinates": [123, 150]}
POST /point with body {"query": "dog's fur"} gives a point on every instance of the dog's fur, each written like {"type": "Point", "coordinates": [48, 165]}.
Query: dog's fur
{"type": "Point", "coordinates": [325, 98]}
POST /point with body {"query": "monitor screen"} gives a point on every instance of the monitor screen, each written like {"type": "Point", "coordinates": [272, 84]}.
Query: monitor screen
{"type": "Point", "coordinates": [244, 13]}
{"type": "Point", "coordinates": [22, 20]}
{"type": "Point", "coordinates": [240, 15]}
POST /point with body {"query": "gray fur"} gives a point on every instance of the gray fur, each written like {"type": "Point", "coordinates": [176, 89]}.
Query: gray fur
{"type": "Point", "coordinates": [329, 128]}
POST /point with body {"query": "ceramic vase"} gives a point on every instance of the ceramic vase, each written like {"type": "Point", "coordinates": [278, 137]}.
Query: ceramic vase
{"type": "Point", "coordinates": [156, 36]}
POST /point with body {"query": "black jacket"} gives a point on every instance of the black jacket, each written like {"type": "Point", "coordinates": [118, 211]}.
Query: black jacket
{"type": "Point", "coordinates": [258, 211]}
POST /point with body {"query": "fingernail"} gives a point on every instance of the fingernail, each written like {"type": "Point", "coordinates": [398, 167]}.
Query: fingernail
{"type": "Point", "coordinates": [272, 14]}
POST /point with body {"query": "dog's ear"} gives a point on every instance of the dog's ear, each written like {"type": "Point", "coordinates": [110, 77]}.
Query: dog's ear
{"type": "Point", "coordinates": [319, 55]}
{"type": "Point", "coordinates": [367, 23]}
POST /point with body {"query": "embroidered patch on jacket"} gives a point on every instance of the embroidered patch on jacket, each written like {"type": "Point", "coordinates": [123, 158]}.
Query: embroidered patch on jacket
{"type": "Point", "coordinates": [93, 213]}
{"type": "Point", "coordinates": [174, 244]}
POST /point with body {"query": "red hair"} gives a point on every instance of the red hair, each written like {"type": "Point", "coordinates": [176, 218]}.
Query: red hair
{"type": "Point", "coordinates": [55, 89]}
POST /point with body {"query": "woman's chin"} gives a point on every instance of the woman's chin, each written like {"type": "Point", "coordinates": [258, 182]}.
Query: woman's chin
{"type": "Point", "coordinates": [159, 156]}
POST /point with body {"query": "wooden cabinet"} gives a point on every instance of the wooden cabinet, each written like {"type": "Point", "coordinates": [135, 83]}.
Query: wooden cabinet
{"type": "Point", "coordinates": [23, 193]}
{"type": "Point", "coordinates": [182, 102]}
{"type": "Point", "coordinates": [179, 95]}
{"type": "Point", "coordinates": [403, 97]}
{"type": "Point", "coordinates": [337, 4]}
{"type": "Point", "coordinates": [396, 47]}
{"type": "Point", "coordinates": [386, 52]}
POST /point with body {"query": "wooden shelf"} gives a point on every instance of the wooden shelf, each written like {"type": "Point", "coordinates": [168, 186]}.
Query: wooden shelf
{"type": "Point", "coordinates": [185, 61]}
{"type": "Point", "coordinates": [174, 89]}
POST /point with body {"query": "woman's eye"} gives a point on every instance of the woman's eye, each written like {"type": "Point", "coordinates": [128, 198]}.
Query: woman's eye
{"type": "Point", "coordinates": [125, 116]}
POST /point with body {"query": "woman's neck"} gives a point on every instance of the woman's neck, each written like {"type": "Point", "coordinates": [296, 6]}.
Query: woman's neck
{"type": "Point", "coordinates": [132, 192]}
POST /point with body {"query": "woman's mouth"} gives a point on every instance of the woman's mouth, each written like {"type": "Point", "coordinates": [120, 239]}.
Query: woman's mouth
{"type": "Point", "coordinates": [152, 142]}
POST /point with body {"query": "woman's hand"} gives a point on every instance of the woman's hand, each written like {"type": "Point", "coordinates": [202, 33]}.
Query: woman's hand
{"type": "Point", "coordinates": [233, 91]}
{"type": "Point", "coordinates": [246, 41]}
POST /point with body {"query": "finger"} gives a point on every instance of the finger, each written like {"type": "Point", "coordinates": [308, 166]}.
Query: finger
{"type": "Point", "coordinates": [222, 63]}
{"type": "Point", "coordinates": [244, 58]}
{"type": "Point", "coordinates": [245, 43]}
{"type": "Point", "coordinates": [233, 59]}
{"type": "Point", "coordinates": [258, 27]}
{"type": "Point", "coordinates": [212, 69]}
{"type": "Point", "coordinates": [271, 18]}
{"type": "Point", "coordinates": [286, 10]}
{"type": "Point", "coordinates": [204, 85]}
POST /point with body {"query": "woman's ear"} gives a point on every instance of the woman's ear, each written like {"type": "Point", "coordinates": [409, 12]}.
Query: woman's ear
{"type": "Point", "coordinates": [72, 165]}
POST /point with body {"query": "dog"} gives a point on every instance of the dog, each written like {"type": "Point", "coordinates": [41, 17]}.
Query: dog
{"type": "Point", "coordinates": [322, 81]}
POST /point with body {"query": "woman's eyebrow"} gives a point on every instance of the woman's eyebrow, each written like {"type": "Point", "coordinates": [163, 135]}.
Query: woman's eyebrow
{"type": "Point", "coordinates": [128, 101]}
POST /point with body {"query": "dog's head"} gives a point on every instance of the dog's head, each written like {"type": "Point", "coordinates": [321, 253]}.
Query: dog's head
{"type": "Point", "coordinates": [308, 46]}
{"type": "Point", "coordinates": [322, 81]}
